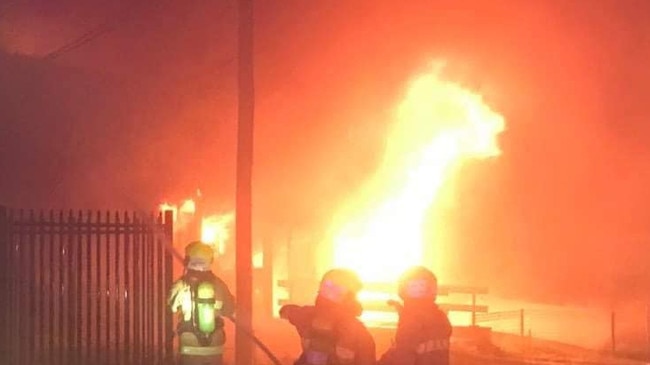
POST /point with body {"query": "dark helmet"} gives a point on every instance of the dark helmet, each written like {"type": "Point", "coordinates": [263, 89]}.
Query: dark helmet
{"type": "Point", "coordinates": [418, 283]}
{"type": "Point", "coordinates": [338, 284]}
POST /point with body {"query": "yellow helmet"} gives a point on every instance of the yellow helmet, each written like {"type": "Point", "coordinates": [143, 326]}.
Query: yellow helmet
{"type": "Point", "coordinates": [337, 284]}
{"type": "Point", "coordinates": [198, 256]}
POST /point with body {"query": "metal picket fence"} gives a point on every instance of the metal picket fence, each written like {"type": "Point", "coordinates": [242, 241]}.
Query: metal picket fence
{"type": "Point", "coordinates": [84, 288]}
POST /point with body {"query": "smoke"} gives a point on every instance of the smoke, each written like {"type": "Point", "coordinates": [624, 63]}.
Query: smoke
{"type": "Point", "coordinates": [123, 133]}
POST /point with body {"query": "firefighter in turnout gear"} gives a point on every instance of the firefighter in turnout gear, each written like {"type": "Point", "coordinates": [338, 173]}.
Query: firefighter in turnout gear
{"type": "Point", "coordinates": [202, 299]}
{"type": "Point", "coordinates": [423, 330]}
{"type": "Point", "coordinates": [330, 332]}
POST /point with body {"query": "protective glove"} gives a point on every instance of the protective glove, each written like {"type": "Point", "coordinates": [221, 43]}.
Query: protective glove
{"type": "Point", "coordinates": [285, 311]}
{"type": "Point", "coordinates": [395, 304]}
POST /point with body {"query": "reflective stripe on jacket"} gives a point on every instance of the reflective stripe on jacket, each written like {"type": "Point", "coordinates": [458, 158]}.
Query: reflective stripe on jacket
{"type": "Point", "coordinates": [432, 346]}
{"type": "Point", "coordinates": [201, 350]}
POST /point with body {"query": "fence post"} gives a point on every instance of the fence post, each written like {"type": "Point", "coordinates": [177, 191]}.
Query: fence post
{"type": "Point", "coordinates": [290, 269]}
{"type": "Point", "coordinates": [5, 301]}
{"type": "Point", "coordinates": [647, 331]}
{"type": "Point", "coordinates": [473, 309]}
{"type": "Point", "coordinates": [267, 271]}
{"type": "Point", "coordinates": [613, 328]}
{"type": "Point", "coordinates": [169, 279]}
{"type": "Point", "coordinates": [521, 322]}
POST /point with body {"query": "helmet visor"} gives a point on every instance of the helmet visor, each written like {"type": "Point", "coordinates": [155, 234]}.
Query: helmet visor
{"type": "Point", "coordinates": [418, 289]}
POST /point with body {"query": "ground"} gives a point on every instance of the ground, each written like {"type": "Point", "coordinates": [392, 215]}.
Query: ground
{"type": "Point", "coordinates": [504, 349]}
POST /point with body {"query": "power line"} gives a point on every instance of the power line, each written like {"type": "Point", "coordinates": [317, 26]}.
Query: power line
{"type": "Point", "coordinates": [80, 41]}
{"type": "Point", "coordinates": [92, 34]}
{"type": "Point", "coordinates": [107, 27]}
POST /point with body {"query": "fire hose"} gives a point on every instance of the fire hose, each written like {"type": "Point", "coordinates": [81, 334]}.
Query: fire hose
{"type": "Point", "coordinates": [257, 341]}
{"type": "Point", "coordinates": [239, 327]}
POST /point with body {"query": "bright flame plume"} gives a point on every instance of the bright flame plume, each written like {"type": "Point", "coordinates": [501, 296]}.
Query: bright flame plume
{"type": "Point", "coordinates": [437, 126]}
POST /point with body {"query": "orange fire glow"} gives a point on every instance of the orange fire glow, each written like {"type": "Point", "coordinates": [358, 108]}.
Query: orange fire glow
{"type": "Point", "coordinates": [437, 125]}
{"type": "Point", "coordinates": [163, 207]}
{"type": "Point", "coordinates": [215, 230]}
{"type": "Point", "coordinates": [188, 206]}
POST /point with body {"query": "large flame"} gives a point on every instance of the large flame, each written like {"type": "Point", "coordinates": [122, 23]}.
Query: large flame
{"type": "Point", "coordinates": [437, 125]}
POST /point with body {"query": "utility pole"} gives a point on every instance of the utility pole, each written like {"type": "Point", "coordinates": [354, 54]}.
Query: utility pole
{"type": "Point", "coordinates": [243, 253]}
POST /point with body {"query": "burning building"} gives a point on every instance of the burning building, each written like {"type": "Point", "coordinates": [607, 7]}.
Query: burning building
{"type": "Point", "coordinates": [385, 228]}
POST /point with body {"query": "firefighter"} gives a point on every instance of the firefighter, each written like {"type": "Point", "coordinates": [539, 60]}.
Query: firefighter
{"type": "Point", "coordinates": [203, 299]}
{"type": "Point", "coordinates": [423, 329]}
{"type": "Point", "coordinates": [330, 331]}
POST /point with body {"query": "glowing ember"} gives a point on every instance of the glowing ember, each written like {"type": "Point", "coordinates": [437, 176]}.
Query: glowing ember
{"type": "Point", "coordinates": [438, 125]}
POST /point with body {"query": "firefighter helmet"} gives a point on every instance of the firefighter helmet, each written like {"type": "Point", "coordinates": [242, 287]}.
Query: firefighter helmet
{"type": "Point", "coordinates": [337, 284]}
{"type": "Point", "coordinates": [198, 256]}
{"type": "Point", "coordinates": [418, 283]}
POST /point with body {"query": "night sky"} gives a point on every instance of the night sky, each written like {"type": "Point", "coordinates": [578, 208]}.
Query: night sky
{"type": "Point", "coordinates": [148, 112]}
